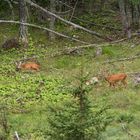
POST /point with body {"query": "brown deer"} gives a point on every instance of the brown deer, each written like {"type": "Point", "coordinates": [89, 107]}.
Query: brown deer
{"type": "Point", "coordinates": [27, 66]}
{"type": "Point", "coordinates": [114, 78]}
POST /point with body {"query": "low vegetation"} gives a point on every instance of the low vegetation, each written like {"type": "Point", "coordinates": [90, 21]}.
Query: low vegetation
{"type": "Point", "coordinates": [44, 104]}
{"type": "Point", "coordinates": [55, 88]}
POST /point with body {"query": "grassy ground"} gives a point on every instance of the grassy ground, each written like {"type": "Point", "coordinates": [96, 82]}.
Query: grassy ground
{"type": "Point", "coordinates": [21, 90]}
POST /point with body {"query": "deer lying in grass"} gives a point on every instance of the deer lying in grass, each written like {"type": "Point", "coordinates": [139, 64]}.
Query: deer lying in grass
{"type": "Point", "coordinates": [27, 66]}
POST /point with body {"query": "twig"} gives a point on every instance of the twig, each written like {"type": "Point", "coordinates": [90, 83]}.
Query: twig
{"type": "Point", "coordinates": [63, 13]}
{"type": "Point", "coordinates": [124, 39]}
{"type": "Point", "coordinates": [65, 4]}
{"type": "Point", "coordinates": [73, 10]}
{"type": "Point", "coordinates": [16, 136]}
{"type": "Point", "coordinates": [122, 59]}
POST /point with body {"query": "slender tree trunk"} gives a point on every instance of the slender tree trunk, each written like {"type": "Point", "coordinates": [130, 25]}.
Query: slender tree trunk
{"type": "Point", "coordinates": [125, 23]}
{"type": "Point", "coordinates": [137, 16]}
{"type": "Point", "coordinates": [23, 18]}
{"type": "Point", "coordinates": [138, 13]}
{"type": "Point", "coordinates": [129, 20]}
{"type": "Point", "coordinates": [102, 4]}
{"type": "Point", "coordinates": [91, 6]}
{"type": "Point", "coordinates": [11, 7]}
{"type": "Point", "coordinates": [52, 19]}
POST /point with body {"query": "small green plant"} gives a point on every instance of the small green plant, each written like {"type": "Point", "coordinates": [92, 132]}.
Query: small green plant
{"type": "Point", "coordinates": [108, 51]}
{"type": "Point", "coordinates": [127, 118]}
{"type": "Point", "coordinates": [78, 119]}
{"type": "Point", "coordinates": [4, 126]}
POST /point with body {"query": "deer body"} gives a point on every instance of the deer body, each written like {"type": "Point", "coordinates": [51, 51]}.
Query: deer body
{"type": "Point", "coordinates": [113, 79]}
{"type": "Point", "coordinates": [28, 66]}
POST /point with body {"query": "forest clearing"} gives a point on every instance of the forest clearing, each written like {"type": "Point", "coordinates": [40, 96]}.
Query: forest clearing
{"type": "Point", "coordinates": [74, 76]}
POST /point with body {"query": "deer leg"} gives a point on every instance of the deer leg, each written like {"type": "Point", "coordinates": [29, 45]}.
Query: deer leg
{"type": "Point", "coordinates": [114, 84]}
{"type": "Point", "coordinates": [110, 84]}
{"type": "Point", "coordinates": [124, 83]}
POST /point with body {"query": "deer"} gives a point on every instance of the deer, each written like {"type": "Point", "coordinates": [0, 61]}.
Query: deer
{"type": "Point", "coordinates": [27, 66]}
{"type": "Point", "coordinates": [113, 79]}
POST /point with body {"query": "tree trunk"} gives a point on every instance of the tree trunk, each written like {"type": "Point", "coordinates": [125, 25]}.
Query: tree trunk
{"type": "Point", "coordinates": [23, 18]}
{"type": "Point", "coordinates": [102, 5]}
{"type": "Point", "coordinates": [125, 23]}
{"type": "Point", "coordinates": [68, 22]}
{"type": "Point", "coordinates": [52, 19]}
{"type": "Point", "coordinates": [136, 16]}
{"type": "Point", "coordinates": [91, 6]}
{"type": "Point", "coordinates": [129, 19]}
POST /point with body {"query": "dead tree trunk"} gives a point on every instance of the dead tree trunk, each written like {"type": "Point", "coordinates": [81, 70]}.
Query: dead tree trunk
{"type": "Point", "coordinates": [129, 20]}
{"type": "Point", "coordinates": [23, 19]}
{"type": "Point", "coordinates": [52, 19]}
{"type": "Point", "coordinates": [125, 22]}
{"type": "Point", "coordinates": [136, 16]}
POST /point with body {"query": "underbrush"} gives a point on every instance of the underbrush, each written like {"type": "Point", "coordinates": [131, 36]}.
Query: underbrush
{"type": "Point", "coordinates": [34, 99]}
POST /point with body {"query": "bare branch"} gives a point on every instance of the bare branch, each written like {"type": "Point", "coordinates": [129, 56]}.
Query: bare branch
{"type": "Point", "coordinates": [44, 28]}
{"type": "Point", "coordinates": [122, 59]}
{"type": "Point", "coordinates": [63, 13]}
{"type": "Point", "coordinates": [73, 10]}
{"type": "Point", "coordinates": [66, 21]}
{"type": "Point", "coordinates": [124, 39]}
{"type": "Point", "coordinates": [99, 25]}
{"type": "Point", "coordinates": [65, 4]}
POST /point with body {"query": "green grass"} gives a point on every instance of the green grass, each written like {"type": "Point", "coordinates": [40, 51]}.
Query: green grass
{"type": "Point", "coordinates": [21, 90]}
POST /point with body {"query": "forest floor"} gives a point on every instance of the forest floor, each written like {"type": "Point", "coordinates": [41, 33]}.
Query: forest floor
{"type": "Point", "coordinates": [20, 90]}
